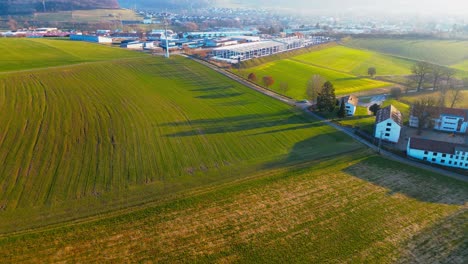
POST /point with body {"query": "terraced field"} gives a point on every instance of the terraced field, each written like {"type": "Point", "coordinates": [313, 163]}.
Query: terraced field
{"type": "Point", "coordinates": [296, 73]}
{"type": "Point", "coordinates": [24, 54]}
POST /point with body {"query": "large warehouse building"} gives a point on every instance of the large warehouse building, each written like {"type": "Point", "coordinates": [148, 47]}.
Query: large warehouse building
{"type": "Point", "coordinates": [252, 50]}
{"type": "Point", "coordinates": [248, 50]}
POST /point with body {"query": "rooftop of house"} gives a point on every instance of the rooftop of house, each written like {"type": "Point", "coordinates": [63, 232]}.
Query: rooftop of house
{"type": "Point", "coordinates": [387, 113]}
{"type": "Point", "coordinates": [351, 99]}
{"type": "Point", "coordinates": [436, 146]}
{"type": "Point", "coordinates": [445, 111]}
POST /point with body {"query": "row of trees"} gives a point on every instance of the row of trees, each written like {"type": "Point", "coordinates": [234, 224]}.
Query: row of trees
{"type": "Point", "coordinates": [440, 77]}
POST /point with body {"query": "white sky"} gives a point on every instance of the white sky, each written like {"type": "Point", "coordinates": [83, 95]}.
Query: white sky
{"type": "Point", "coordinates": [411, 6]}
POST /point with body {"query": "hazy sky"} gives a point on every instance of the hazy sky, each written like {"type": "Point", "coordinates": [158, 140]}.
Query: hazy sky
{"type": "Point", "coordinates": [411, 6]}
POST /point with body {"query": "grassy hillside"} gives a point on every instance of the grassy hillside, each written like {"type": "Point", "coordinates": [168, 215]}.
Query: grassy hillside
{"type": "Point", "coordinates": [297, 73]}
{"type": "Point", "coordinates": [445, 52]}
{"type": "Point", "coordinates": [101, 130]}
{"type": "Point", "coordinates": [358, 208]}
{"type": "Point", "coordinates": [22, 54]}
{"type": "Point", "coordinates": [356, 61]}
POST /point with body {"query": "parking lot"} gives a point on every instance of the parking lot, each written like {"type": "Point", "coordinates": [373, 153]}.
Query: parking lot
{"type": "Point", "coordinates": [408, 132]}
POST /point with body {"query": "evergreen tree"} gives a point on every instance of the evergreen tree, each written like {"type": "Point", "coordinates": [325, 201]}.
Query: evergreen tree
{"type": "Point", "coordinates": [326, 99]}
{"type": "Point", "coordinates": [342, 112]}
{"type": "Point", "coordinates": [374, 109]}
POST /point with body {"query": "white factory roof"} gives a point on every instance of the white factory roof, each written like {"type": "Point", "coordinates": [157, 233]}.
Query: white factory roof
{"type": "Point", "coordinates": [250, 46]}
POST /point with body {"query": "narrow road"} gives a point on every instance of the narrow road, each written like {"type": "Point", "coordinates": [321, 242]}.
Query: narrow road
{"type": "Point", "coordinates": [347, 131]}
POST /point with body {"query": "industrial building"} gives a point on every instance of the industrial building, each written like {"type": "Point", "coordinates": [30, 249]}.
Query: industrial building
{"type": "Point", "coordinates": [248, 50]}
{"type": "Point", "coordinates": [218, 34]}
{"type": "Point", "coordinates": [252, 50]}
{"type": "Point", "coordinates": [91, 38]}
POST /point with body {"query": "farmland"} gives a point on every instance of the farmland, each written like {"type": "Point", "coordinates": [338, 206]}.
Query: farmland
{"type": "Point", "coordinates": [357, 208]}
{"type": "Point", "coordinates": [39, 53]}
{"type": "Point", "coordinates": [345, 67]}
{"type": "Point", "coordinates": [356, 62]}
{"type": "Point", "coordinates": [133, 158]}
{"type": "Point", "coordinates": [296, 74]}
{"type": "Point", "coordinates": [97, 131]}
{"type": "Point", "coordinates": [445, 52]}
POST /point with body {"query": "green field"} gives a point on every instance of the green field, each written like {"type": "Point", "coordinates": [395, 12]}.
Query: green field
{"type": "Point", "coordinates": [297, 73]}
{"type": "Point", "coordinates": [357, 208]}
{"type": "Point", "coordinates": [444, 52]}
{"type": "Point", "coordinates": [40, 53]}
{"type": "Point", "coordinates": [102, 129]}
{"type": "Point", "coordinates": [356, 61]}
{"type": "Point", "coordinates": [148, 159]}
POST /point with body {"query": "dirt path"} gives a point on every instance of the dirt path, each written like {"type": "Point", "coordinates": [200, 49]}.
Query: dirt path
{"type": "Point", "coordinates": [347, 131]}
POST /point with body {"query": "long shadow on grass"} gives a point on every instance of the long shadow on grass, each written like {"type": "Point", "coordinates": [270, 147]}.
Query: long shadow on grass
{"type": "Point", "coordinates": [398, 178]}
{"type": "Point", "coordinates": [274, 122]}
{"type": "Point", "coordinates": [213, 88]}
{"type": "Point", "coordinates": [316, 148]}
{"type": "Point", "coordinates": [443, 242]}
{"type": "Point", "coordinates": [219, 96]}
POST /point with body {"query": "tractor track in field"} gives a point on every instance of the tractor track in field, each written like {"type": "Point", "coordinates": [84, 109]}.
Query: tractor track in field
{"type": "Point", "coordinates": [347, 131]}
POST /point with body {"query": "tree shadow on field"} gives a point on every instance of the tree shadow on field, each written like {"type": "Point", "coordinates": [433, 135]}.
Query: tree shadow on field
{"type": "Point", "coordinates": [219, 96]}
{"type": "Point", "coordinates": [213, 88]}
{"type": "Point", "coordinates": [318, 147]}
{"type": "Point", "coordinates": [235, 103]}
{"type": "Point", "coordinates": [413, 182]}
{"type": "Point", "coordinates": [275, 122]}
{"type": "Point", "coordinates": [444, 242]}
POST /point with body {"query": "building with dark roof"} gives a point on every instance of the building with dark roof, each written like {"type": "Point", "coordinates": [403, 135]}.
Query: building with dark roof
{"type": "Point", "coordinates": [438, 152]}
{"type": "Point", "coordinates": [445, 119]}
{"type": "Point", "coordinates": [351, 103]}
{"type": "Point", "coordinates": [388, 124]}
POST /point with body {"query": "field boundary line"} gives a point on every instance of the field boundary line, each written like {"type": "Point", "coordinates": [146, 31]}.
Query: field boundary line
{"type": "Point", "coordinates": [68, 65]}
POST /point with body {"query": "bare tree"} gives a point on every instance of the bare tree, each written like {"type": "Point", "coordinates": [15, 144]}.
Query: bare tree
{"type": "Point", "coordinates": [437, 73]}
{"type": "Point", "coordinates": [314, 85]}
{"type": "Point", "coordinates": [268, 81]}
{"type": "Point", "coordinates": [455, 96]}
{"type": "Point", "coordinates": [423, 110]}
{"type": "Point", "coordinates": [284, 87]}
{"type": "Point", "coordinates": [447, 74]}
{"type": "Point", "coordinates": [421, 70]}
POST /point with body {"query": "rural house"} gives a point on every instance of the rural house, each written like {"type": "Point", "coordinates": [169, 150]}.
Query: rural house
{"type": "Point", "coordinates": [351, 103]}
{"type": "Point", "coordinates": [444, 119]}
{"type": "Point", "coordinates": [388, 124]}
{"type": "Point", "coordinates": [438, 152]}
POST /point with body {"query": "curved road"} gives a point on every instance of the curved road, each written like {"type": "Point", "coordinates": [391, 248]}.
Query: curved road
{"type": "Point", "coordinates": [347, 131]}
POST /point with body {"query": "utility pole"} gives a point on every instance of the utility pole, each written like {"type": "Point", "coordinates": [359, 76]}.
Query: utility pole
{"type": "Point", "coordinates": [165, 34]}
{"type": "Point", "coordinates": [380, 142]}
